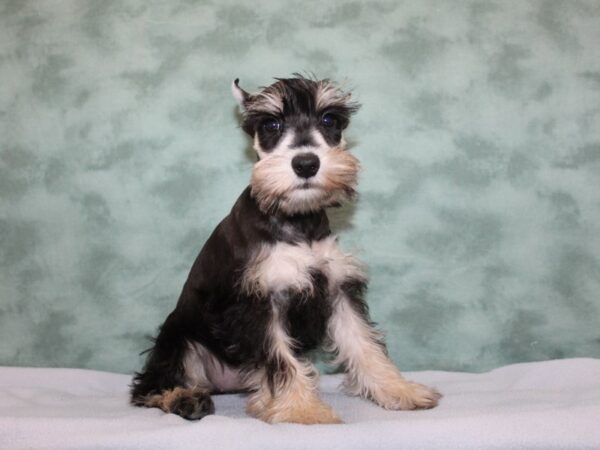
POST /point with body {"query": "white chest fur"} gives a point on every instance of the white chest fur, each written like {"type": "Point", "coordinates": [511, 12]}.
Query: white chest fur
{"type": "Point", "coordinates": [285, 266]}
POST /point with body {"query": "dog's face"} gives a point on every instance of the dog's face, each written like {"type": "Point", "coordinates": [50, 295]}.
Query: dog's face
{"type": "Point", "coordinates": [297, 126]}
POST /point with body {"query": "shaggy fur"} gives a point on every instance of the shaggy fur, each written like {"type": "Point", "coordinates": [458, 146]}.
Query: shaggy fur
{"type": "Point", "coordinates": [271, 284]}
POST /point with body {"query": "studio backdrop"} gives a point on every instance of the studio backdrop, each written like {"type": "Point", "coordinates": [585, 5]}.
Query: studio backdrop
{"type": "Point", "coordinates": [479, 136]}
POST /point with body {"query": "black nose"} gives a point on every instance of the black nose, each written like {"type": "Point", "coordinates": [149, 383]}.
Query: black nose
{"type": "Point", "coordinates": [306, 165]}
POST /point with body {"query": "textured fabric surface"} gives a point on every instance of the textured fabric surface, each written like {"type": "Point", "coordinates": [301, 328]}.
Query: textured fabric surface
{"type": "Point", "coordinates": [479, 213]}
{"type": "Point", "coordinates": [545, 405]}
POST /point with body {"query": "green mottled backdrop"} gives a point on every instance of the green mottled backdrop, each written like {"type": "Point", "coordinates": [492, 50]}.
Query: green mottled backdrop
{"type": "Point", "coordinates": [479, 135]}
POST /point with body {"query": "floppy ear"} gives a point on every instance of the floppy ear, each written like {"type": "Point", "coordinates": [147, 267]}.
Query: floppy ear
{"type": "Point", "coordinates": [239, 94]}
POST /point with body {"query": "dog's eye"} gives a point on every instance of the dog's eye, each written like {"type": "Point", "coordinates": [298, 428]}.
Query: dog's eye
{"type": "Point", "coordinates": [328, 120]}
{"type": "Point", "coordinates": [271, 125]}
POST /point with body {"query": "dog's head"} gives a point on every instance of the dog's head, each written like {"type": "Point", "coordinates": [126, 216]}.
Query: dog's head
{"type": "Point", "coordinates": [297, 125]}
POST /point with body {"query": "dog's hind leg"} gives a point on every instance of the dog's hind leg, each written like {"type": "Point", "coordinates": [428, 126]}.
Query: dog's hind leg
{"type": "Point", "coordinates": [189, 403]}
{"type": "Point", "coordinates": [166, 384]}
{"type": "Point", "coordinates": [359, 348]}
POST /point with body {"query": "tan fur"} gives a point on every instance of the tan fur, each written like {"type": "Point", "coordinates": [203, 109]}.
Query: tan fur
{"type": "Point", "coordinates": [166, 399]}
{"type": "Point", "coordinates": [341, 170]}
{"type": "Point", "coordinates": [296, 402]}
{"type": "Point", "coordinates": [294, 405]}
{"type": "Point", "coordinates": [371, 374]}
{"type": "Point", "coordinates": [272, 178]}
{"type": "Point", "coordinates": [274, 183]}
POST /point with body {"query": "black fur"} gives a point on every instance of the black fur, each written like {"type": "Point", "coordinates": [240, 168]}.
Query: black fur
{"type": "Point", "coordinates": [212, 311]}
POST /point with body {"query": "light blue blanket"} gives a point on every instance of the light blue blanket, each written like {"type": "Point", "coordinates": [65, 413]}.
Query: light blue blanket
{"type": "Point", "coordinates": [545, 405]}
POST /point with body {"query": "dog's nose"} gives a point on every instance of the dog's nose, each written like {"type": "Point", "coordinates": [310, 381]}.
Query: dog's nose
{"type": "Point", "coordinates": [306, 165]}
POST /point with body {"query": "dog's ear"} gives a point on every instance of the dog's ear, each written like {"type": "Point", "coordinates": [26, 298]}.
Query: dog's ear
{"type": "Point", "coordinates": [239, 94]}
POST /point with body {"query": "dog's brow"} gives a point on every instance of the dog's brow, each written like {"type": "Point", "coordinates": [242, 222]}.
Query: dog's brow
{"type": "Point", "coordinates": [267, 102]}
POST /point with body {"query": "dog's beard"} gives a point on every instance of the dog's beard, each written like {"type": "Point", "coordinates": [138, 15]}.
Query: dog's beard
{"type": "Point", "coordinates": [276, 188]}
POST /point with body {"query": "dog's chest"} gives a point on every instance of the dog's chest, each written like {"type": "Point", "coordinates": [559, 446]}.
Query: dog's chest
{"type": "Point", "coordinates": [285, 267]}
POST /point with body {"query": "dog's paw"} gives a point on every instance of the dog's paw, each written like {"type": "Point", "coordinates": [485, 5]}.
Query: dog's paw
{"type": "Point", "coordinates": [317, 413]}
{"type": "Point", "coordinates": [307, 411]}
{"type": "Point", "coordinates": [193, 406]}
{"type": "Point", "coordinates": [406, 395]}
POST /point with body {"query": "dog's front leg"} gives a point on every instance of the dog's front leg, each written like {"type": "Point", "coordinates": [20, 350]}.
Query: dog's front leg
{"type": "Point", "coordinates": [359, 348]}
{"type": "Point", "coordinates": [285, 389]}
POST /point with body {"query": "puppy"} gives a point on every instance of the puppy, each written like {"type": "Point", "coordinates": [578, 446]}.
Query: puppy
{"type": "Point", "coordinates": [271, 284]}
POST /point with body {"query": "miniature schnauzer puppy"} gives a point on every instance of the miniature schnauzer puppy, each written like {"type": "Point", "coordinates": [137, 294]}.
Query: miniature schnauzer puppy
{"type": "Point", "coordinates": [271, 283]}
